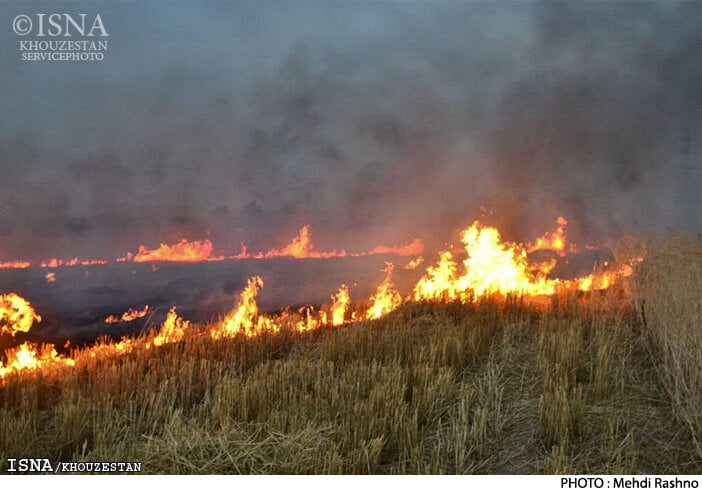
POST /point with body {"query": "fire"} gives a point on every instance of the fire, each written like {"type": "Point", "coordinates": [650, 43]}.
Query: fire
{"type": "Point", "coordinates": [488, 265]}
{"type": "Point", "coordinates": [50, 277]}
{"type": "Point", "coordinates": [439, 281]}
{"type": "Point", "coordinates": [491, 267]}
{"type": "Point", "coordinates": [16, 314]}
{"type": "Point", "coordinates": [386, 298]}
{"type": "Point", "coordinates": [54, 263]}
{"type": "Point", "coordinates": [415, 247]}
{"type": "Point", "coordinates": [51, 263]}
{"type": "Point", "coordinates": [603, 280]}
{"type": "Point", "coordinates": [244, 319]}
{"type": "Point", "coordinates": [341, 302]}
{"type": "Point", "coordinates": [301, 247]}
{"type": "Point", "coordinates": [496, 267]}
{"type": "Point", "coordinates": [555, 240]}
{"type": "Point", "coordinates": [18, 264]}
{"type": "Point", "coordinates": [413, 264]}
{"type": "Point", "coordinates": [129, 315]}
{"type": "Point", "coordinates": [183, 251]}
{"type": "Point", "coordinates": [28, 356]}
{"type": "Point", "coordinates": [172, 330]}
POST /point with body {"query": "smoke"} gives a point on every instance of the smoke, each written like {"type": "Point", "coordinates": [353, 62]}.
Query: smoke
{"type": "Point", "coordinates": [373, 122]}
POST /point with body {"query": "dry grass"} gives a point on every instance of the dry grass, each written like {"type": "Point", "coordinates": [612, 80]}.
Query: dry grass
{"type": "Point", "coordinates": [597, 383]}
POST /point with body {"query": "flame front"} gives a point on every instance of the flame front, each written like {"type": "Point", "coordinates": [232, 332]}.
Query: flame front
{"type": "Point", "coordinates": [490, 266]}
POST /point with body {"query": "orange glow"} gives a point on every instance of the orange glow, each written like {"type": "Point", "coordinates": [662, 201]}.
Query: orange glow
{"type": "Point", "coordinates": [50, 277]}
{"type": "Point", "coordinates": [129, 315]}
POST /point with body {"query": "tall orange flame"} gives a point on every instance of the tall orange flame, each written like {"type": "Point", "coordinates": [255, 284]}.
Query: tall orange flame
{"type": "Point", "coordinates": [244, 319]}
{"type": "Point", "coordinates": [386, 298]}
{"type": "Point", "coordinates": [341, 302]}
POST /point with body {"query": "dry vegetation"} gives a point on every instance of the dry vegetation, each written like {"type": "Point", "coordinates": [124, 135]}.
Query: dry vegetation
{"type": "Point", "coordinates": [604, 382]}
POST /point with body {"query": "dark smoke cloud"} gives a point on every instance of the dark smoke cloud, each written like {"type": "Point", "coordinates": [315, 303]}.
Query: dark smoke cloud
{"type": "Point", "coordinates": [374, 122]}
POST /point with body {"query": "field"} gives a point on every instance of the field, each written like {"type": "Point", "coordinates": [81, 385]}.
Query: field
{"type": "Point", "coordinates": [597, 382]}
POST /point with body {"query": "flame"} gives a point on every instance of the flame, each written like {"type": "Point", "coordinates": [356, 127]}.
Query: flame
{"type": "Point", "coordinates": [490, 266]}
{"type": "Point", "coordinates": [439, 281]}
{"type": "Point", "coordinates": [50, 277]}
{"type": "Point", "coordinates": [341, 302]}
{"type": "Point", "coordinates": [172, 330]}
{"type": "Point", "coordinates": [386, 298]}
{"type": "Point", "coordinates": [413, 264]}
{"type": "Point", "coordinates": [30, 357]}
{"type": "Point", "coordinates": [415, 247]}
{"type": "Point", "coordinates": [19, 264]}
{"type": "Point", "coordinates": [244, 319]}
{"type": "Point", "coordinates": [183, 251]}
{"type": "Point", "coordinates": [51, 263]}
{"type": "Point", "coordinates": [603, 280]}
{"type": "Point", "coordinates": [301, 247]}
{"type": "Point", "coordinates": [16, 314]}
{"type": "Point", "coordinates": [129, 315]}
{"type": "Point", "coordinates": [555, 240]}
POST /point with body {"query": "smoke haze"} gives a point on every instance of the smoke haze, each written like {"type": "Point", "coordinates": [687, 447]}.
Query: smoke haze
{"type": "Point", "coordinates": [375, 122]}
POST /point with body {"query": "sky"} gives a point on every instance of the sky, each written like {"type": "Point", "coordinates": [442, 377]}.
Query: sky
{"type": "Point", "coordinates": [374, 122]}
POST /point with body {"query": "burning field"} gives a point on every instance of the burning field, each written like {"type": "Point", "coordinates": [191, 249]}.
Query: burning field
{"type": "Point", "coordinates": [482, 358]}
